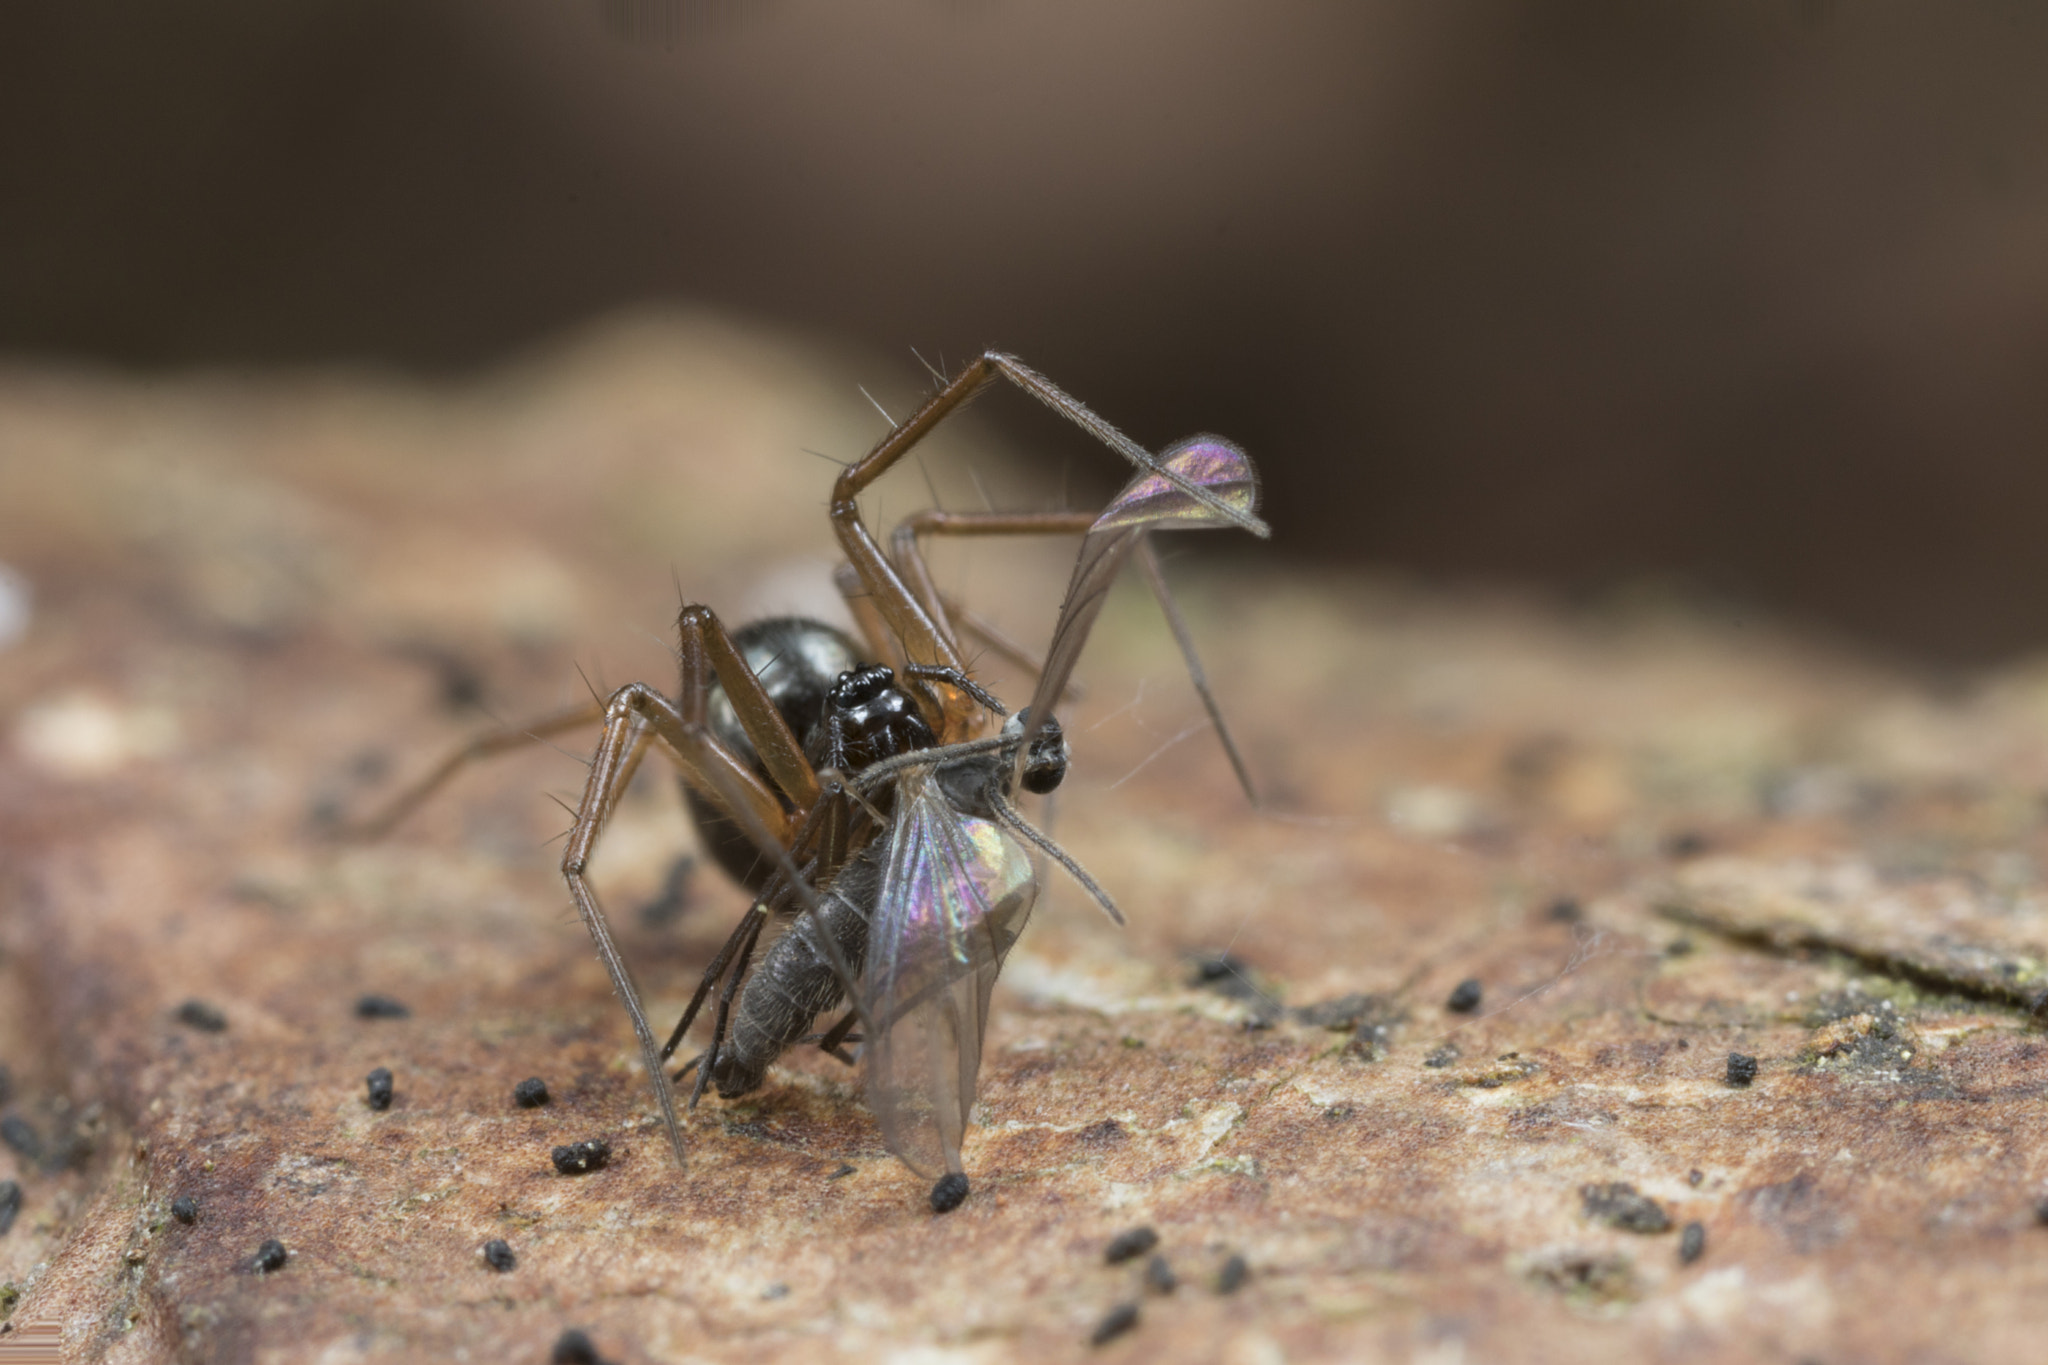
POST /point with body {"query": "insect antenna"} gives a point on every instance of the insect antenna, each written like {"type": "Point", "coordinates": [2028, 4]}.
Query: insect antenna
{"type": "Point", "coordinates": [1010, 816]}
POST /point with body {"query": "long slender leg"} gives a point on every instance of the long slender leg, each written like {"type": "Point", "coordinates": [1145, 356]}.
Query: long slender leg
{"type": "Point", "coordinates": [483, 746]}
{"type": "Point", "coordinates": [1148, 560]}
{"type": "Point", "coordinates": [923, 639]}
{"type": "Point", "coordinates": [703, 646]}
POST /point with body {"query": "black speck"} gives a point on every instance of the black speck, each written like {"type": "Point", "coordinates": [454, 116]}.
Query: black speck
{"type": "Point", "coordinates": [1565, 910]}
{"type": "Point", "coordinates": [1129, 1245]}
{"type": "Point", "coordinates": [1233, 1275]}
{"type": "Point", "coordinates": [1741, 1069]}
{"type": "Point", "coordinates": [1118, 1321]}
{"type": "Point", "coordinates": [185, 1209]}
{"type": "Point", "coordinates": [1159, 1277]}
{"type": "Point", "coordinates": [845, 1170]}
{"type": "Point", "coordinates": [949, 1191]}
{"type": "Point", "coordinates": [1688, 843]}
{"type": "Point", "coordinates": [2041, 1211]}
{"type": "Point", "coordinates": [574, 1347]}
{"type": "Point", "coordinates": [1694, 1176]}
{"type": "Point", "coordinates": [1622, 1206]}
{"type": "Point", "coordinates": [270, 1257]}
{"type": "Point", "coordinates": [778, 1290]}
{"type": "Point", "coordinates": [498, 1255]}
{"type": "Point", "coordinates": [1678, 947]}
{"type": "Point", "coordinates": [530, 1093]}
{"type": "Point", "coordinates": [1442, 1057]}
{"type": "Point", "coordinates": [1225, 974]}
{"type": "Point", "coordinates": [10, 1204]}
{"type": "Point", "coordinates": [18, 1133]}
{"type": "Point", "coordinates": [579, 1158]}
{"type": "Point", "coordinates": [202, 1016]}
{"type": "Point", "coordinates": [380, 1087]}
{"type": "Point", "coordinates": [1692, 1242]}
{"type": "Point", "coordinates": [6, 1085]}
{"type": "Point", "coordinates": [381, 1007]}
{"type": "Point", "coordinates": [1465, 996]}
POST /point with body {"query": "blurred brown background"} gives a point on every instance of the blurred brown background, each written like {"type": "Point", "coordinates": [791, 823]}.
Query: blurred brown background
{"type": "Point", "coordinates": [1752, 297]}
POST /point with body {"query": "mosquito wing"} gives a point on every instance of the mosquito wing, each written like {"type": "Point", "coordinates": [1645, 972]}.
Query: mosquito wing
{"type": "Point", "coordinates": [1148, 502]}
{"type": "Point", "coordinates": [956, 890]}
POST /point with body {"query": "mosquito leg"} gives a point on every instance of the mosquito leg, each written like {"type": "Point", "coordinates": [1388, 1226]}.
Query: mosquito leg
{"type": "Point", "coordinates": [722, 1017]}
{"type": "Point", "coordinates": [384, 820]}
{"type": "Point", "coordinates": [1148, 561]}
{"type": "Point", "coordinates": [835, 1037]}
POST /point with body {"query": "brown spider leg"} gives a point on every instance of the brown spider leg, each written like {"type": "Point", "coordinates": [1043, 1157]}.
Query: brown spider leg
{"type": "Point", "coordinates": [874, 631]}
{"type": "Point", "coordinates": [906, 550]}
{"type": "Point", "coordinates": [1004, 646]}
{"type": "Point", "coordinates": [704, 648]}
{"type": "Point", "coordinates": [923, 639]}
{"type": "Point", "coordinates": [481, 747]}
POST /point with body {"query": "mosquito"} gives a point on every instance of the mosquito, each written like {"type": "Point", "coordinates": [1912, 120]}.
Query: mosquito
{"type": "Point", "coordinates": [851, 787]}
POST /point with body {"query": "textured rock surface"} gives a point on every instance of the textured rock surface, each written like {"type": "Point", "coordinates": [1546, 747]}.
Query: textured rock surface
{"type": "Point", "coordinates": [1654, 836]}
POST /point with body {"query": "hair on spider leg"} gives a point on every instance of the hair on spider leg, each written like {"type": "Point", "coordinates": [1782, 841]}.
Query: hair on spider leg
{"type": "Point", "coordinates": [846, 781]}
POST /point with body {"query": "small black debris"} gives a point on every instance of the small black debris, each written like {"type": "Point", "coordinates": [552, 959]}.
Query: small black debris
{"type": "Point", "coordinates": [1159, 1277]}
{"type": "Point", "coordinates": [574, 1347]}
{"type": "Point", "coordinates": [185, 1209]}
{"type": "Point", "coordinates": [1741, 1069]}
{"type": "Point", "coordinates": [1129, 1245]}
{"type": "Point", "coordinates": [18, 1133]}
{"type": "Point", "coordinates": [1233, 1275]}
{"type": "Point", "coordinates": [381, 1007]}
{"type": "Point", "coordinates": [10, 1204]}
{"type": "Point", "coordinates": [1621, 1205]}
{"type": "Point", "coordinates": [1678, 947]}
{"type": "Point", "coordinates": [6, 1085]}
{"type": "Point", "coordinates": [498, 1255]}
{"type": "Point", "coordinates": [775, 1291]}
{"type": "Point", "coordinates": [1223, 973]}
{"type": "Point", "coordinates": [1694, 1176]}
{"type": "Point", "coordinates": [1118, 1321]}
{"type": "Point", "coordinates": [2041, 1211]}
{"type": "Point", "coordinates": [1465, 996]}
{"type": "Point", "coordinates": [1565, 910]}
{"type": "Point", "coordinates": [949, 1192]}
{"type": "Point", "coordinates": [380, 1087]}
{"type": "Point", "coordinates": [1692, 1242]}
{"type": "Point", "coordinates": [202, 1016]}
{"type": "Point", "coordinates": [271, 1256]}
{"type": "Point", "coordinates": [845, 1169]}
{"type": "Point", "coordinates": [530, 1093]}
{"type": "Point", "coordinates": [580, 1158]}
{"type": "Point", "coordinates": [1442, 1057]}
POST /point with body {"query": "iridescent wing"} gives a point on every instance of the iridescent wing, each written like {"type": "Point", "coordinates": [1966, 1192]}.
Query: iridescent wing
{"type": "Point", "coordinates": [956, 890]}
{"type": "Point", "coordinates": [1148, 502]}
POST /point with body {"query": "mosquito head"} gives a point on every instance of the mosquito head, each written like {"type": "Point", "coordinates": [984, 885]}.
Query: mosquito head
{"type": "Point", "coordinates": [1045, 766]}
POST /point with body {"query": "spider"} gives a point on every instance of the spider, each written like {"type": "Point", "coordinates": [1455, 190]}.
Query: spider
{"type": "Point", "coordinates": [850, 786]}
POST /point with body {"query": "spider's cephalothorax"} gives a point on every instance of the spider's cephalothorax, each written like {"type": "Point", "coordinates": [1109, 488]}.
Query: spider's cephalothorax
{"type": "Point", "coordinates": [866, 717]}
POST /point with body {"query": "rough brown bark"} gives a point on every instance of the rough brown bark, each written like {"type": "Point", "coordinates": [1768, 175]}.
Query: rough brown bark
{"type": "Point", "coordinates": [1654, 837]}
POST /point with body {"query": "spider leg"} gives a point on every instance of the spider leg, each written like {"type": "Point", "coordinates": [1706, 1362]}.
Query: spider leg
{"type": "Point", "coordinates": [486, 745]}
